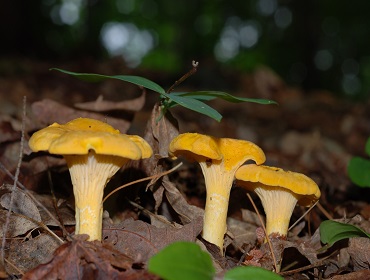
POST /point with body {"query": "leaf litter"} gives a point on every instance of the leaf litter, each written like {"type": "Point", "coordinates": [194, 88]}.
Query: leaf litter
{"type": "Point", "coordinates": [128, 244]}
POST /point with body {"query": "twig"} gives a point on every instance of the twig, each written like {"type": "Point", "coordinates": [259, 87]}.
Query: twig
{"type": "Point", "coordinates": [277, 268]}
{"type": "Point", "coordinates": [142, 180]}
{"type": "Point", "coordinates": [20, 156]}
{"type": "Point", "coordinates": [55, 204]}
{"type": "Point", "coordinates": [14, 267]}
{"type": "Point", "coordinates": [304, 214]}
{"type": "Point", "coordinates": [184, 77]}
{"type": "Point", "coordinates": [34, 199]}
{"type": "Point", "coordinates": [323, 210]}
{"type": "Point", "coordinates": [41, 225]}
{"type": "Point", "coordinates": [146, 211]}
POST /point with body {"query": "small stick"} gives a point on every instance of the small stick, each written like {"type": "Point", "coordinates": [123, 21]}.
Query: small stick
{"type": "Point", "coordinates": [323, 210]}
{"type": "Point", "coordinates": [264, 229]}
{"type": "Point", "coordinates": [20, 156]}
{"type": "Point", "coordinates": [184, 77]}
{"type": "Point", "coordinates": [304, 214]}
{"type": "Point", "coordinates": [142, 180]}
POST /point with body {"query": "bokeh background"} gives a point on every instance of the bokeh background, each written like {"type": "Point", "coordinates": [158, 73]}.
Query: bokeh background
{"type": "Point", "coordinates": [311, 44]}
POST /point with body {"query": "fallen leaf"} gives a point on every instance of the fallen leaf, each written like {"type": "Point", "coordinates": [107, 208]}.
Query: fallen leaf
{"type": "Point", "coordinates": [186, 212]}
{"type": "Point", "coordinates": [22, 204]}
{"type": "Point", "coordinates": [48, 111]}
{"type": "Point", "coordinates": [26, 255]}
{"type": "Point", "coordinates": [140, 240]}
{"type": "Point", "coordinates": [17, 226]}
{"type": "Point", "coordinates": [80, 259]}
{"type": "Point", "coordinates": [359, 250]}
{"type": "Point", "coordinates": [100, 105]}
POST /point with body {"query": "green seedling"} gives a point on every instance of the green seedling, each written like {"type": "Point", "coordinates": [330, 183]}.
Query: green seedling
{"type": "Point", "coordinates": [186, 260]}
{"type": "Point", "coordinates": [332, 231]}
{"type": "Point", "coordinates": [359, 168]}
{"type": "Point", "coordinates": [191, 100]}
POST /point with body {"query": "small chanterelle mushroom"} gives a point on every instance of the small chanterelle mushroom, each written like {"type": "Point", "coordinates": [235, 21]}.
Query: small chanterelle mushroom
{"type": "Point", "coordinates": [94, 152]}
{"type": "Point", "coordinates": [218, 158]}
{"type": "Point", "coordinates": [279, 192]}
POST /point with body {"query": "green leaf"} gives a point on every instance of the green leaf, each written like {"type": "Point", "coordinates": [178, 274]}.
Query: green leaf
{"type": "Point", "coordinates": [182, 261]}
{"type": "Point", "coordinates": [251, 273]}
{"type": "Point", "coordinates": [332, 231]}
{"type": "Point", "coordinates": [195, 105]}
{"type": "Point", "coordinates": [209, 95]}
{"type": "Point", "coordinates": [367, 147]}
{"type": "Point", "coordinates": [359, 171]}
{"type": "Point", "coordinates": [140, 81]}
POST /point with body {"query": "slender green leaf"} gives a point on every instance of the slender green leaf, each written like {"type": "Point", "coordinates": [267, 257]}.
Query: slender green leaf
{"type": "Point", "coordinates": [359, 171]}
{"type": "Point", "coordinates": [182, 261]}
{"type": "Point", "coordinates": [367, 147]}
{"type": "Point", "coordinates": [209, 95]}
{"type": "Point", "coordinates": [251, 273]}
{"type": "Point", "coordinates": [195, 105]}
{"type": "Point", "coordinates": [140, 81]}
{"type": "Point", "coordinates": [332, 231]}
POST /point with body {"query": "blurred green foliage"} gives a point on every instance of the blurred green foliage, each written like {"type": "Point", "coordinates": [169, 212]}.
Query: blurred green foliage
{"type": "Point", "coordinates": [313, 44]}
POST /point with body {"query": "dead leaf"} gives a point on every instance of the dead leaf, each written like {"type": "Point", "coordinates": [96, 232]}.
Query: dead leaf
{"type": "Point", "coordinates": [140, 240]}
{"type": "Point", "coordinates": [26, 255]}
{"type": "Point", "coordinates": [48, 111]}
{"type": "Point", "coordinates": [359, 250]}
{"type": "Point", "coordinates": [81, 259]}
{"type": "Point", "coordinates": [357, 275]}
{"type": "Point", "coordinates": [17, 226]}
{"type": "Point", "coordinates": [22, 204]}
{"type": "Point", "coordinates": [187, 212]}
{"type": "Point", "coordinates": [100, 105]}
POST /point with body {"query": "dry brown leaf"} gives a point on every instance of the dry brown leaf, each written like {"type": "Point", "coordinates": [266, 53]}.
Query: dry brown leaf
{"type": "Point", "coordinates": [22, 204]}
{"type": "Point", "coordinates": [18, 225]}
{"type": "Point", "coordinates": [48, 111]}
{"type": "Point", "coordinates": [186, 212]}
{"type": "Point", "coordinates": [359, 250]}
{"type": "Point", "coordinates": [357, 275]}
{"type": "Point", "coordinates": [100, 105]}
{"type": "Point", "coordinates": [27, 255]}
{"type": "Point", "coordinates": [140, 240]}
{"type": "Point", "coordinates": [81, 259]}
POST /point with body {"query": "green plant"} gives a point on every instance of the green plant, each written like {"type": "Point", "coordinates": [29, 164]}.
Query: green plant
{"type": "Point", "coordinates": [359, 168]}
{"type": "Point", "coordinates": [186, 260]}
{"type": "Point", "coordinates": [332, 231]}
{"type": "Point", "coordinates": [190, 100]}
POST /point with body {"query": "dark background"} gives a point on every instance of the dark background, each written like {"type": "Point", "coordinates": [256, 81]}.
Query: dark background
{"type": "Point", "coordinates": [312, 44]}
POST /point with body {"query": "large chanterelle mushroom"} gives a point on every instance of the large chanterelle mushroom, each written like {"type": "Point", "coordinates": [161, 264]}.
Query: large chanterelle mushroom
{"type": "Point", "coordinates": [218, 158]}
{"type": "Point", "coordinates": [94, 152]}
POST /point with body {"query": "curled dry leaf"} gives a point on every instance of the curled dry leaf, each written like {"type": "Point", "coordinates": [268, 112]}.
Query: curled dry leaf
{"type": "Point", "coordinates": [22, 204]}
{"type": "Point", "coordinates": [25, 207]}
{"type": "Point", "coordinates": [26, 255]}
{"type": "Point", "coordinates": [100, 105]}
{"type": "Point", "coordinates": [359, 250]}
{"type": "Point", "coordinates": [80, 259]}
{"type": "Point", "coordinates": [140, 240]}
{"type": "Point", "coordinates": [48, 111]}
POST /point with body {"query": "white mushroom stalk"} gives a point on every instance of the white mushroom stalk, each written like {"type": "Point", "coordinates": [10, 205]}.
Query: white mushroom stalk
{"type": "Point", "coordinates": [89, 175]}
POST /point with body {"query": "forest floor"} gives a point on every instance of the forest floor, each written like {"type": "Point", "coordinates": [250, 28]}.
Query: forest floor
{"type": "Point", "coordinates": [314, 133]}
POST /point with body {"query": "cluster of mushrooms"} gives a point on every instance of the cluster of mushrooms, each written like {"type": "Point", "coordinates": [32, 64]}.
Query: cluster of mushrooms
{"type": "Point", "coordinates": [95, 151]}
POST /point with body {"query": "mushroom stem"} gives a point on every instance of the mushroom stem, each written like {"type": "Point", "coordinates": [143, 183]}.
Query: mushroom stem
{"type": "Point", "coordinates": [218, 184]}
{"type": "Point", "coordinates": [277, 216]}
{"type": "Point", "coordinates": [94, 172]}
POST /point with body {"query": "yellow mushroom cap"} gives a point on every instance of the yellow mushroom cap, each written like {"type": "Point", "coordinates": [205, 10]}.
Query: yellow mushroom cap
{"type": "Point", "coordinates": [202, 147]}
{"type": "Point", "coordinates": [305, 189]}
{"type": "Point", "coordinates": [81, 135]}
